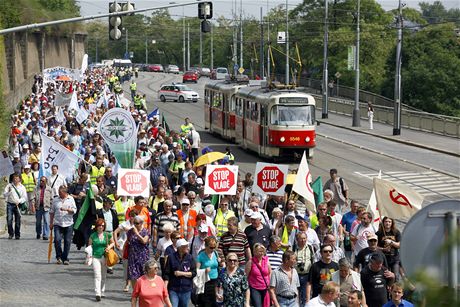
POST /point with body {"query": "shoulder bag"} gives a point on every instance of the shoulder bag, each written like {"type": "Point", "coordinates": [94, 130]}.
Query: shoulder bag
{"type": "Point", "coordinates": [22, 206]}
{"type": "Point", "coordinates": [111, 257]}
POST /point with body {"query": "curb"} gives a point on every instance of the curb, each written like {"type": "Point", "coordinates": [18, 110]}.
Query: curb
{"type": "Point", "coordinates": [390, 156]}
{"type": "Point", "coordinates": [395, 140]}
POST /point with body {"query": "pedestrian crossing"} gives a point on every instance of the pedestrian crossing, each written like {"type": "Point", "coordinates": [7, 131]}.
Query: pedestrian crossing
{"type": "Point", "coordinates": [427, 183]}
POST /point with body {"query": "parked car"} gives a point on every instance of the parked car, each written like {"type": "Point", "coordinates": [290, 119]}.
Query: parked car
{"type": "Point", "coordinates": [205, 72]}
{"type": "Point", "coordinates": [172, 69]}
{"type": "Point", "coordinates": [190, 76]}
{"type": "Point", "coordinates": [156, 68]}
{"type": "Point", "coordinates": [177, 92]}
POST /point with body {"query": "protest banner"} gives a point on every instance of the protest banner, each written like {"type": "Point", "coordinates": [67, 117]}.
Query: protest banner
{"type": "Point", "coordinates": [221, 179]}
{"type": "Point", "coordinates": [270, 179]}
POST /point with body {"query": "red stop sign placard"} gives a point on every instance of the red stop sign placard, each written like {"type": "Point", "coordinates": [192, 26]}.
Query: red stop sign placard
{"type": "Point", "coordinates": [270, 179]}
{"type": "Point", "coordinates": [133, 182]}
{"type": "Point", "coordinates": [221, 179]}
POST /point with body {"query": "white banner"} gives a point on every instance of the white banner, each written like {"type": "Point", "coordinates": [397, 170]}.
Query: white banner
{"type": "Point", "coordinates": [372, 207]}
{"type": "Point", "coordinates": [6, 166]}
{"type": "Point", "coordinates": [221, 179]}
{"type": "Point", "coordinates": [62, 99]}
{"type": "Point", "coordinates": [396, 200]}
{"type": "Point", "coordinates": [74, 102]}
{"type": "Point", "coordinates": [84, 64]}
{"type": "Point", "coordinates": [60, 73]}
{"type": "Point", "coordinates": [82, 115]}
{"type": "Point", "coordinates": [302, 184]}
{"type": "Point", "coordinates": [60, 117]}
{"type": "Point", "coordinates": [54, 153]}
{"type": "Point", "coordinates": [133, 182]}
{"type": "Point", "coordinates": [270, 179]}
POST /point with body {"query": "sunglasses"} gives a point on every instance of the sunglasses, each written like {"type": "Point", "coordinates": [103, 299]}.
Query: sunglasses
{"type": "Point", "coordinates": [254, 207]}
{"type": "Point", "coordinates": [232, 260]}
{"type": "Point", "coordinates": [186, 205]}
{"type": "Point", "coordinates": [137, 223]}
{"type": "Point", "coordinates": [224, 204]}
{"type": "Point", "coordinates": [100, 225]}
{"type": "Point", "coordinates": [328, 251]}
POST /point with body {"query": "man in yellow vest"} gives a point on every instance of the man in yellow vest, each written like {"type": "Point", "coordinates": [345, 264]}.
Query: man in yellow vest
{"type": "Point", "coordinates": [121, 205]}
{"type": "Point", "coordinates": [97, 170]}
{"type": "Point", "coordinates": [137, 102]}
{"type": "Point", "coordinates": [133, 88]}
{"type": "Point", "coordinates": [222, 215]}
{"type": "Point", "coordinates": [185, 128]}
{"type": "Point", "coordinates": [29, 182]}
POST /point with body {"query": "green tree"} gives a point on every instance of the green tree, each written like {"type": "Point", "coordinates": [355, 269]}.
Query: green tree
{"type": "Point", "coordinates": [437, 13]}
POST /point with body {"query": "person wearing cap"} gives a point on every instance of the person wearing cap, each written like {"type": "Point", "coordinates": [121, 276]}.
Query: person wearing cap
{"type": "Point", "coordinates": [187, 219]}
{"type": "Point", "coordinates": [179, 273]}
{"type": "Point", "coordinates": [222, 216]}
{"type": "Point", "coordinates": [375, 280]}
{"type": "Point", "coordinates": [235, 241]}
{"type": "Point", "coordinates": [312, 236]}
{"type": "Point", "coordinates": [258, 232]}
{"type": "Point", "coordinates": [197, 244]}
{"type": "Point", "coordinates": [30, 182]}
{"type": "Point", "coordinates": [17, 166]}
{"type": "Point", "coordinates": [362, 259]}
{"type": "Point", "coordinates": [246, 220]}
{"type": "Point", "coordinates": [25, 154]}
{"type": "Point", "coordinates": [348, 280]}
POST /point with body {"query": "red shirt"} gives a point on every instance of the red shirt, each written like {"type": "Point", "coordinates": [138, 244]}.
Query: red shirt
{"type": "Point", "coordinates": [150, 292]}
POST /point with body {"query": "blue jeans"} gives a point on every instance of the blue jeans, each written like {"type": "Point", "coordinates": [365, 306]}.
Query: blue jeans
{"type": "Point", "coordinates": [287, 302]}
{"type": "Point", "coordinates": [59, 234]}
{"type": "Point", "coordinates": [180, 299]}
{"type": "Point", "coordinates": [42, 223]}
{"type": "Point", "coordinates": [257, 297]}
{"type": "Point", "coordinates": [303, 279]}
{"type": "Point", "coordinates": [13, 210]}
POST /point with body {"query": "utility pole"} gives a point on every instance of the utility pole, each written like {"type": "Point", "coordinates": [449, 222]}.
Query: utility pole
{"type": "Point", "coordinates": [146, 51]}
{"type": "Point", "coordinates": [325, 73]}
{"type": "Point", "coordinates": [212, 46]}
{"type": "Point", "coordinates": [241, 33]}
{"type": "Point", "coordinates": [397, 110]}
{"type": "Point", "coordinates": [126, 50]}
{"type": "Point", "coordinates": [262, 60]}
{"type": "Point", "coordinates": [184, 64]}
{"type": "Point", "coordinates": [235, 54]}
{"type": "Point", "coordinates": [201, 48]}
{"type": "Point", "coordinates": [287, 43]}
{"type": "Point", "coordinates": [268, 42]}
{"type": "Point", "coordinates": [188, 46]}
{"type": "Point", "coordinates": [356, 115]}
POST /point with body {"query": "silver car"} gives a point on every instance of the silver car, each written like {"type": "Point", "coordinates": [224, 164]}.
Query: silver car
{"type": "Point", "coordinates": [177, 92]}
{"type": "Point", "coordinates": [172, 69]}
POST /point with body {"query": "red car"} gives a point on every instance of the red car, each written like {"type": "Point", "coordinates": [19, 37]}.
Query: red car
{"type": "Point", "coordinates": [156, 68]}
{"type": "Point", "coordinates": [189, 76]}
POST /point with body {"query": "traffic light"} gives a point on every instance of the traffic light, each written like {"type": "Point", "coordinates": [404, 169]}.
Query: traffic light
{"type": "Point", "coordinates": [205, 10]}
{"type": "Point", "coordinates": [115, 22]}
{"type": "Point", "coordinates": [205, 26]}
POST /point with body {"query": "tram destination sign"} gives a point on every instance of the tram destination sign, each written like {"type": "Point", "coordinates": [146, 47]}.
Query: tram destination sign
{"type": "Point", "coordinates": [299, 100]}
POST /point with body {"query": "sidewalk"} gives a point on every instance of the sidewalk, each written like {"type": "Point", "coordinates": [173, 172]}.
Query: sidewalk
{"type": "Point", "coordinates": [443, 144]}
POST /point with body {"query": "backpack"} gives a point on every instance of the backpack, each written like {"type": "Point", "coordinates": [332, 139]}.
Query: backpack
{"type": "Point", "coordinates": [342, 187]}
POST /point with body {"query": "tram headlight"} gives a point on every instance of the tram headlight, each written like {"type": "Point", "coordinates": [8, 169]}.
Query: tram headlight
{"type": "Point", "coordinates": [307, 139]}
{"type": "Point", "coordinates": [282, 139]}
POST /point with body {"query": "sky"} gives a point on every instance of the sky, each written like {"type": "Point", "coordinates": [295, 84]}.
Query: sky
{"type": "Point", "coordinates": [224, 7]}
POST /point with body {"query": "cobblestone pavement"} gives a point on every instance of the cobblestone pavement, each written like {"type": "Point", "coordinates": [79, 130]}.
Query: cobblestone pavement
{"type": "Point", "coordinates": [26, 278]}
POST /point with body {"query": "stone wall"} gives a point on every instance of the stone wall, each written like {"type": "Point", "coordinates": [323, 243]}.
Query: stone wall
{"type": "Point", "coordinates": [28, 53]}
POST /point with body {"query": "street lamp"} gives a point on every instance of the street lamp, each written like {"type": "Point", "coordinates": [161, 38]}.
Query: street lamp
{"type": "Point", "coordinates": [356, 117]}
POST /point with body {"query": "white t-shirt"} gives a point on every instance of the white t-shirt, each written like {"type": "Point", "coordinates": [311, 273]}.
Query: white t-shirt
{"type": "Point", "coordinates": [125, 227]}
{"type": "Point", "coordinates": [163, 245]}
{"type": "Point", "coordinates": [361, 233]}
{"type": "Point", "coordinates": [318, 302]}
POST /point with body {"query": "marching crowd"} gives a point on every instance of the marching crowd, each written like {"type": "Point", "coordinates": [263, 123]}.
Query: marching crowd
{"type": "Point", "coordinates": [180, 245]}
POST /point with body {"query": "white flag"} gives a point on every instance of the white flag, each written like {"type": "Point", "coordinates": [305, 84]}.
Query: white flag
{"type": "Point", "coordinates": [62, 99]}
{"type": "Point", "coordinates": [60, 117]}
{"type": "Point", "coordinates": [302, 184]}
{"type": "Point", "coordinates": [74, 102]}
{"type": "Point", "coordinates": [84, 64]}
{"type": "Point", "coordinates": [54, 153]}
{"type": "Point", "coordinates": [372, 207]}
{"type": "Point", "coordinates": [396, 200]}
{"type": "Point", "coordinates": [82, 115]}
{"type": "Point", "coordinates": [101, 101]}
{"type": "Point", "coordinates": [6, 166]}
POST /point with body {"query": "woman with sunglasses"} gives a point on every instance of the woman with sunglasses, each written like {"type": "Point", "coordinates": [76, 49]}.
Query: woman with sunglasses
{"type": "Point", "coordinates": [150, 288]}
{"type": "Point", "coordinates": [101, 242]}
{"type": "Point", "coordinates": [209, 259]}
{"type": "Point", "coordinates": [138, 255]}
{"type": "Point", "coordinates": [259, 270]}
{"type": "Point", "coordinates": [232, 285]}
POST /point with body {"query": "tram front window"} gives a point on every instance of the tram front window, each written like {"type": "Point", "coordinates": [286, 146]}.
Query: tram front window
{"type": "Point", "coordinates": [291, 115]}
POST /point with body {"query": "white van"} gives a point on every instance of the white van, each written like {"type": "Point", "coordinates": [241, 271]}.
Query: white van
{"type": "Point", "coordinates": [221, 73]}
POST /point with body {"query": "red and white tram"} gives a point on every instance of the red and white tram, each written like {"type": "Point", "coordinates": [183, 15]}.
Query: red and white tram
{"type": "Point", "coordinates": [272, 123]}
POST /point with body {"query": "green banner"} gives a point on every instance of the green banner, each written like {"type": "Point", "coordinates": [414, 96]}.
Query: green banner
{"type": "Point", "coordinates": [119, 131]}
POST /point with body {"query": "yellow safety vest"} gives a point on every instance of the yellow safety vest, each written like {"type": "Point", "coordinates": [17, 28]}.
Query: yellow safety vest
{"type": "Point", "coordinates": [133, 86]}
{"type": "Point", "coordinates": [186, 128]}
{"type": "Point", "coordinates": [28, 181]}
{"type": "Point", "coordinates": [96, 172]}
{"type": "Point", "coordinates": [137, 101]}
{"type": "Point", "coordinates": [121, 210]}
{"type": "Point", "coordinates": [221, 221]}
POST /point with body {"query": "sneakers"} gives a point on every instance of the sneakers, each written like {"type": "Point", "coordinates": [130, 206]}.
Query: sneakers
{"type": "Point", "coordinates": [98, 298]}
{"type": "Point", "coordinates": [10, 237]}
{"type": "Point", "coordinates": [58, 261]}
{"type": "Point", "coordinates": [45, 238]}
{"type": "Point", "coordinates": [109, 271]}
{"type": "Point", "coordinates": [66, 262]}
{"type": "Point", "coordinates": [38, 237]}
{"type": "Point", "coordinates": [17, 238]}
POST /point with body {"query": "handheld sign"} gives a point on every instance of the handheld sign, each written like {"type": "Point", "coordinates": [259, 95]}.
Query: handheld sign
{"type": "Point", "coordinates": [221, 179]}
{"type": "Point", "coordinates": [270, 178]}
{"type": "Point", "coordinates": [133, 182]}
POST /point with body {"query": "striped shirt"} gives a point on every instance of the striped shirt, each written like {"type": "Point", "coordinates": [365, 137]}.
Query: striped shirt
{"type": "Point", "coordinates": [275, 258]}
{"type": "Point", "coordinates": [161, 219]}
{"type": "Point", "coordinates": [237, 244]}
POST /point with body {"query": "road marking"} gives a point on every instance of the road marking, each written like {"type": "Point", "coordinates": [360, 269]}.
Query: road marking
{"type": "Point", "coordinates": [426, 183]}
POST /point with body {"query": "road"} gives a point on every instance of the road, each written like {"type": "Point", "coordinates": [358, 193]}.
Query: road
{"type": "Point", "coordinates": [28, 280]}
